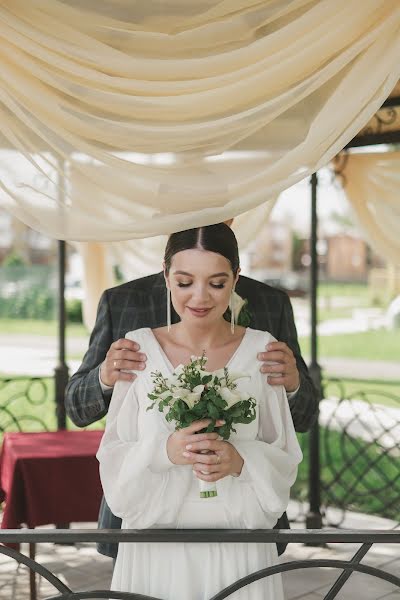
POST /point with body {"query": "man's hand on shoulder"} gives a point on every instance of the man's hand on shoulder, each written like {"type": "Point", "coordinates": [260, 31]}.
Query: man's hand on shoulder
{"type": "Point", "coordinates": [279, 363]}
{"type": "Point", "coordinates": [123, 355]}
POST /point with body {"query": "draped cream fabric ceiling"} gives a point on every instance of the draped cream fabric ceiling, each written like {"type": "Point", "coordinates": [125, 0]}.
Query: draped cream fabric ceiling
{"type": "Point", "coordinates": [189, 84]}
{"type": "Point", "coordinates": [140, 257]}
{"type": "Point", "coordinates": [372, 185]}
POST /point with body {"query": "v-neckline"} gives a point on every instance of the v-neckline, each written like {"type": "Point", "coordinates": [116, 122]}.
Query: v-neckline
{"type": "Point", "coordinates": [170, 366]}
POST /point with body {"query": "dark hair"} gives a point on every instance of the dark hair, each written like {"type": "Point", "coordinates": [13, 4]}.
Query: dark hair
{"type": "Point", "coordinates": [213, 238]}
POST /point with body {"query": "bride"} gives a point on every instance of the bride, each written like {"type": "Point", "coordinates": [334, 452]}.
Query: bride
{"type": "Point", "coordinates": [150, 472]}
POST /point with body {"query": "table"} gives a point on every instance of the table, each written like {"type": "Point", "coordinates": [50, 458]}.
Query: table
{"type": "Point", "coordinates": [49, 477]}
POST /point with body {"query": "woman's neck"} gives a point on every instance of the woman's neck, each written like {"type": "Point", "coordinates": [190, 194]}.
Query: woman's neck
{"type": "Point", "coordinates": [202, 338]}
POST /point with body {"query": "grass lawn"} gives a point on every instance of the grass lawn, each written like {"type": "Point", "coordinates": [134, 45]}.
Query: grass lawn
{"type": "Point", "coordinates": [376, 392]}
{"type": "Point", "coordinates": [369, 345]}
{"type": "Point", "coordinates": [326, 314]}
{"type": "Point", "coordinates": [36, 327]}
{"type": "Point", "coordinates": [369, 485]}
{"type": "Point", "coordinates": [331, 290]}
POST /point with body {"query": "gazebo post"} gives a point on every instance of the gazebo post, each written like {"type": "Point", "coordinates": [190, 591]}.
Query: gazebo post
{"type": "Point", "coordinates": [313, 518]}
{"type": "Point", "coordinates": [61, 373]}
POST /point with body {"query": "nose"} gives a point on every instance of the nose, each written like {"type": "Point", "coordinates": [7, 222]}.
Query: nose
{"type": "Point", "coordinates": [200, 294]}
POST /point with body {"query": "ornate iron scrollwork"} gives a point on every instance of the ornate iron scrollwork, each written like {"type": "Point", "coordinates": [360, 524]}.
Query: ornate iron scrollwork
{"type": "Point", "coordinates": [360, 451]}
{"type": "Point", "coordinates": [20, 394]}
{"type": "Point", "coordinates": [385, 117]}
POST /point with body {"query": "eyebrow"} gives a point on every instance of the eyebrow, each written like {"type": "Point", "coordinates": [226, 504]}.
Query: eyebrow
{"type": "Point", "coordinates": [211, 276]}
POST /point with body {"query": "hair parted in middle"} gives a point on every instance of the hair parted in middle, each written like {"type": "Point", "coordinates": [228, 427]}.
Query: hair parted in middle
{"type": "Point", "coordinates": [217, 238]}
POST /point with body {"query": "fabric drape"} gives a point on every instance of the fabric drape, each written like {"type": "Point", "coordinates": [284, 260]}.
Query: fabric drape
{"type": "Point", "coordinates": [196, 111]}
{"type": "Point", "coordinates": [372, 185]}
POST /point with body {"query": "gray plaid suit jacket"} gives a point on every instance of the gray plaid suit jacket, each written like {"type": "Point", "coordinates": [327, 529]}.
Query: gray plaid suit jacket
{"type": "Point", "coordinates": [142, 303]}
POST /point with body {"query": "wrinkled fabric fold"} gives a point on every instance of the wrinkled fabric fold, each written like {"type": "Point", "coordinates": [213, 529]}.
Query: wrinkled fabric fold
{"type": "Point", "coordinates": [166, 97]}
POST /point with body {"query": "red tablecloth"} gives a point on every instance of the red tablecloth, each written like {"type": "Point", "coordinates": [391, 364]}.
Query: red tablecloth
{"type": "Point", "coordinates": [49, 478]}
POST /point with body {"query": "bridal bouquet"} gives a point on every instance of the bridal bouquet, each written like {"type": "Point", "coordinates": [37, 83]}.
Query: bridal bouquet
{"type": "Point", "coordinates": [192, 393]}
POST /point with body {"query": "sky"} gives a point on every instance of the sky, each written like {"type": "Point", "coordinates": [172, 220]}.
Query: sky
{"type": "Point", "coordinates": [294, 204]}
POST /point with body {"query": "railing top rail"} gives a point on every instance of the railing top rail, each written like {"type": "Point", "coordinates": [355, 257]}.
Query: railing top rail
{"type": "Point", "coordinates": [319, 536]}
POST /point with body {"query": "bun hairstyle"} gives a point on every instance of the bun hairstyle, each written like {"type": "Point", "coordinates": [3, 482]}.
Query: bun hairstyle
{"type": "Point", "coordinates": [213, 238]}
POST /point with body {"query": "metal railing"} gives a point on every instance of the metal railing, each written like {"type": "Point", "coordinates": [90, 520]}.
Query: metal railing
{"type": "Point", "coordinates": [346, 568]}
{"type": "Point", "coordinates": [359, 443]}
{"type": "Point", "coordinates": [359, 436]}
{"type": "Point", "coordinates": [360, 448]}
{"type": "Point", "coordinates": [26, 404]}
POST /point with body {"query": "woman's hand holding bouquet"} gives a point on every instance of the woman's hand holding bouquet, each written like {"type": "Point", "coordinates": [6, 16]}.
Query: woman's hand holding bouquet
{"type": "Point", "coordinates": [200, 403]}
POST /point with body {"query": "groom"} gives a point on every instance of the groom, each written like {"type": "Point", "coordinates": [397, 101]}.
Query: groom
{"type": "Point", "coordinates": [142, 303]}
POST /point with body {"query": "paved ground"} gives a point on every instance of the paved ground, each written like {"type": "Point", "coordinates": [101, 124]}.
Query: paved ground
{"type": "Point", "coordinates": [81, 568]}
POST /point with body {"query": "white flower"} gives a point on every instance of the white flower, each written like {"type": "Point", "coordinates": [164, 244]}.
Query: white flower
{"type": "Point", "coordinates": [232, 397]}
{"type": "Point", "coordinates": [238, 375]}
{"type": "Point", "coordinates": [220, 375]}
{"type": "Point", "coordinates": [178, 370]}
{"type": "Point", "coordinates": [190, 398]}
{"type": "Point", "coordinates": [238, 304]}
{"type": "Point", "coordinates": [199, 389]}
{"type": "Point", "coordinates": [203, 373]}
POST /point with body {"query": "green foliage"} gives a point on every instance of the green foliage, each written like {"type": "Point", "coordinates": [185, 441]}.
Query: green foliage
{"type": "Point", "coordinates": [192, 394]}
{"type": "Point", "coordinates": [13, 260]}
{"type": "Point", "coordinates": [118, 275]}
{"type": "Point", "coordinates": [27, 291]}
{"type": "Point", "coordinates": [34, 303]}
{"type": "Point", "coordinates": [30, 292]}
{"type": "Point", "coordinates": [74, 310]}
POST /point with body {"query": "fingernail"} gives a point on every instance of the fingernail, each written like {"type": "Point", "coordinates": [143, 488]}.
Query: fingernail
{"type": "Point", "coordinates": [186, 454]}
{"type": "Point", "coordinates": [188, 447]}
{"type": "Point", "coordinates": [221, 422]}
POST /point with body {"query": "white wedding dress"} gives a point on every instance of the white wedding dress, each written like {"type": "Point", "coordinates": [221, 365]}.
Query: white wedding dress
{"type": "Point", "coordinates": [146, 490]}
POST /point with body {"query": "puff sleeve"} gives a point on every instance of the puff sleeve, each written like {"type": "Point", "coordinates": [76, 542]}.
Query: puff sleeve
{"type": "Point", "coordinates": [140, 483]}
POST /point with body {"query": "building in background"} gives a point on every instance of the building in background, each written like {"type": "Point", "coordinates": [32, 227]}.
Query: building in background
{"type": "Point", "coordinates": [346, 258]}
{"type": "Point", "coordinates": [270, 255]}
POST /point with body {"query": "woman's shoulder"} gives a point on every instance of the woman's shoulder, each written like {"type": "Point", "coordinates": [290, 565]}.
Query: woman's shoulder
{"type": "Point", "coordinates": [141, 336]}
{"type": "Point", "coordinates": [257, 336]}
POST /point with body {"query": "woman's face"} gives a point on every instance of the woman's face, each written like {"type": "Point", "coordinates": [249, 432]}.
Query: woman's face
{"type": "Point", "coordinates": [201, 283]}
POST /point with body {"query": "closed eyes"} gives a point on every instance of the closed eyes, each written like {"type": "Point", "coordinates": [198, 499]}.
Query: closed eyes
{"type": "Point", "coordinates": [218, 286]}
